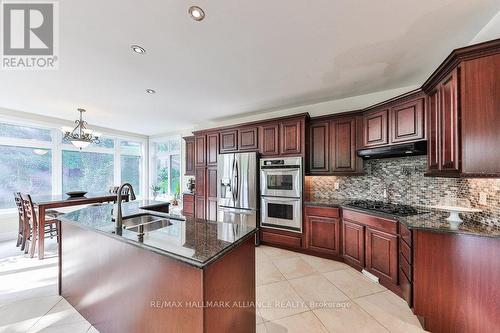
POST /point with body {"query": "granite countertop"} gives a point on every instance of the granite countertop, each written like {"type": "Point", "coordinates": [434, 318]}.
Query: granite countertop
{"type": "Point", "coordinates": [192, 241]}
{"type": "Point", "coordinates": [427, 219]}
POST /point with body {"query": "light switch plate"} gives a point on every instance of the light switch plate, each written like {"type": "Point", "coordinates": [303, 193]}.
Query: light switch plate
{"type": "Point", "coordinates": [336, 185]}
{"type": "Point", "coordinates": [483, 198]}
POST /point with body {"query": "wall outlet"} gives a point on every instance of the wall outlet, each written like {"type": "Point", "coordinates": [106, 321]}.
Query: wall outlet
{"type": "Point", "coordinates": [336, 185]}
{"type": "Point", "coordinates": [483, 198]}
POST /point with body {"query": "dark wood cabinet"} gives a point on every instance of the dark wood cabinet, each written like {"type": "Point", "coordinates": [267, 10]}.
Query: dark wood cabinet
{"type": "Point", "coordinates": [200, 150]}
{"type": "Point", "coordinates": [229, 141]}
{"type": "Point", "coordinates": [188, 204]}
{"type": "Point", "coordinates": [269, 139]}
{"type": "Point", "coordinates": [199, 207]}
{"type": "Point", "coordinates": [200, 181]}
{"type": "Point", "coordinates": [291, 137]}
{"type": "Point", "coordinates": [375, 128]}
{"type": "Point", "coordinates": [248, 138]}
{"type": "Point", "coordinates": [343, 158]}
{"type": "Point", "coordinates": [319, 146]}
{"type": "Point", "coordinates": [353, 243]}
{"type": "Point", "coordinates": [322, 230]}
{"type": "Point", "coordinates": [190, 155]}
{"type": "Point", "coordinates": [433, 122]}
{"type": "Point", "coordinates": [449, 123]}
{"type": "Point", "coordinates": [408, 121]}
{"type": "Point", "coordinates": [212, 148]}
{"type": "Point", "coordinates": [382, 255]}
{"type": "Point", "coordinates": [211, 193]}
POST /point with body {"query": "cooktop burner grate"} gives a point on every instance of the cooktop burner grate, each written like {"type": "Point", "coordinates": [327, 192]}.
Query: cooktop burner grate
{"type": "Point", "coordinates": [385, 207]}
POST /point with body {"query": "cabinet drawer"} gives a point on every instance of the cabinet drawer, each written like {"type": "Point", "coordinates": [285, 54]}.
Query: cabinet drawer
{"type": "Point", "coordinates": [405, 250]}
{"type": "Point", "coordinates": [281, 239]}
{"type": "Point", "coordinates": [405, 266]}
{"type": "Point", "coordinates": [379, 223]}
{"type": "Point", "coordinates": [405, 234]}
{"type": "Point", "coordinates": [322, 211]}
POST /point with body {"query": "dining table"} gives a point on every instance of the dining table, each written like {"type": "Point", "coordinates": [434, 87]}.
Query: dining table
{"type": "Point", "coordinates": [54, 201]}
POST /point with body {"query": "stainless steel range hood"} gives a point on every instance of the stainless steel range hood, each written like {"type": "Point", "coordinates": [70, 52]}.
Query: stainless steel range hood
{"type": "Point", "coordinates": [406, 149]}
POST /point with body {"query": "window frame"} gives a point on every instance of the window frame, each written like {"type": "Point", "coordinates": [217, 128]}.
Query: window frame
{"type": "Point", "coordinates": [56, 146]}
{"type": "Point", "coordinates": [155, 156]}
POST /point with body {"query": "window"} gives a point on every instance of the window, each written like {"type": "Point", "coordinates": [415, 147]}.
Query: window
{"type": "Point", "coordinates": [167, 166]}
{"type": "Point", "coordinates": [85, 171]}
{"type": "Point", "coordinates": [37, 160]}
{"type": "Point", "coordinates": [24, 169]}
{"type": "Point", "coordinates": [24, 132]}
{"type": "Point", "coordinates": [130, 163]}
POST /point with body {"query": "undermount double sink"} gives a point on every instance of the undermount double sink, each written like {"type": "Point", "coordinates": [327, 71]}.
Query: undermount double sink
{"type": "Point", "coordinates": [145, 222]}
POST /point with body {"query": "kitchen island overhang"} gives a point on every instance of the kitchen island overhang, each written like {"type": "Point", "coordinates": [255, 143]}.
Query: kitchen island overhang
{"type": "Point", "coordinates": [189, 276]}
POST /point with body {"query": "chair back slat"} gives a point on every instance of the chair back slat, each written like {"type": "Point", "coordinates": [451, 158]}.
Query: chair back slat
{"type": "Point", "coordinates": [19, 205]}
{"type": "Point", "coordinates": [29, 210]}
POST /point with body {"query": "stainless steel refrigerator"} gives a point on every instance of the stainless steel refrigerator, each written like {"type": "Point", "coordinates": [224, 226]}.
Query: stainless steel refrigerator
{"type": "Point", "coordinates": [237, 188]}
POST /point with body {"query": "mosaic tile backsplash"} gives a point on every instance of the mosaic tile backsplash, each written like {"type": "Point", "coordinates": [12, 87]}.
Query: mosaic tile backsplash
{"type": "Point", "coordinates": [403, 181]}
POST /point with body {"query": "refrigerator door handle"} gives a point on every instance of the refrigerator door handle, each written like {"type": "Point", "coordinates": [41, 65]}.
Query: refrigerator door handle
{"type": "Point", "coordinates": [236, 180]}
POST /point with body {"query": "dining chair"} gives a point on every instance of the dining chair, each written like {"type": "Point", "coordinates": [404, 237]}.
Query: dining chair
{"type": "Point", "coordinates": [23, 230]}
{"type": "Point", "coordinates": [51, 226]}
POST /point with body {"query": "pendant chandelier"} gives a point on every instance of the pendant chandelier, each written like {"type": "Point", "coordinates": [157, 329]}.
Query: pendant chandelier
{"type": "Point", "coordinates": [80, 136]}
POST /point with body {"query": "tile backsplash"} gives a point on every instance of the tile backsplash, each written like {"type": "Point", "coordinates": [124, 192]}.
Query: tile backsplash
{"type": "Point", "coordinates": [403, 181]}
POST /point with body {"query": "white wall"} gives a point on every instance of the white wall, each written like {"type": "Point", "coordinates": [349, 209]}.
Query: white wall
{"type": "Point", "coordinates": [490, 31]}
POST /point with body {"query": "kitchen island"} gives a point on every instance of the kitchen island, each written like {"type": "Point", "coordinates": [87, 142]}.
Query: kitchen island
{"type": "Point", "coordinates": [159, 273]}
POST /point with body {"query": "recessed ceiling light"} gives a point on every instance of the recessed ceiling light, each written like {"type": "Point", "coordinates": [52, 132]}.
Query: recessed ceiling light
{"type": "Point", "coordinates": [138, 49]}
{"type": "Point", "coordinates": [151, 91]}
{"type": "Point", "coordinates": [196, 13]}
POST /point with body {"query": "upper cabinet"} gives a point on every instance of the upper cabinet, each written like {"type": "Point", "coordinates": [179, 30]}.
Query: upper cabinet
{"type": "Point", "coordinates": [248, 138]}
{"type": "Point", "coordinates": [229, 141]}
{"type": "Point", "coordinates": [375, 125]}
{"type": "Point", "coordinates": [464, 118]}
{"type": "Point", "coordinates": [400, 120]}
{"type": "Point", "coordinates": [200, 142]}
{"type": "Point", "coordinates": [269, 139]}
{"type": "Point", "coordinates": [212, 148]}
{"type": "Point", "coordinates": [333, 142]}
{"type": "Point", "coordinates": [190, 155]}
{"type": "Point", "coordinates": [292, 137]}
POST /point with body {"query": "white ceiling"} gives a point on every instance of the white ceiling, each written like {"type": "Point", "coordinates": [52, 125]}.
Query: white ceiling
{"type": "Point", "coordinates": [245, 56]}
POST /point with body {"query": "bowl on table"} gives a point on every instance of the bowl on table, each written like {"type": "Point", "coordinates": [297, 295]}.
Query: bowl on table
{"type": "Point", "coordinates": [76, 194]}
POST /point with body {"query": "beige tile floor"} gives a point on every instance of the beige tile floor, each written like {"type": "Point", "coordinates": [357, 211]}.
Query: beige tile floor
{"type": "Point", "coordinates": [295, 293]}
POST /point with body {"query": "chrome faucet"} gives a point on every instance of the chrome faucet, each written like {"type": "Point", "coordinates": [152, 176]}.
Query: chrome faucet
{"type": "Point", "coordinates": [119, 216]}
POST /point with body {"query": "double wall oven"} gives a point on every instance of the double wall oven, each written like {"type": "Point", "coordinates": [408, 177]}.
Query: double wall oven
{"type": "Point", "coordinates": [281, 193]}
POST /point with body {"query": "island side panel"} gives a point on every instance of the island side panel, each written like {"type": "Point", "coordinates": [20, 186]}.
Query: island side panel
{"type": "Point", "coordinates": [456, 282]}
{"type": "Point", "coordinates": [231, 279]}
{"type": "Point", "coordinates": [113, 284]}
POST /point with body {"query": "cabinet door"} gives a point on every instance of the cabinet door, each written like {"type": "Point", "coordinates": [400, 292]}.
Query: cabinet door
{"type": "Point", "coordinates": [190, 156]}
{"type": "Point", "coordinates": [212, 148]}
{"type": "Point", "coordinates": [188, 204]}
{"type": "Point", "coordinates": [199, 209]}
{"type": "Point", "coordinates": [291, 137]}
{"type": "Point", "coordinates": [353, 243]}
{"type": "Point", "coordinates": [200, 181]}
{"type": "Point", "coordinates": [407, 121]}
{"type": "Point", "coordinates": [382, 254]}
{"type": "Point", "coordinates": [343, 145]}
{"type": "Point", "coordinates": [228, 141]}
{"type": "Point", "coordinates": [433, 129]}
{"type": "Point", "coordinates": [375, 128]}
{"type": "Point", "coordinates": [449, 123]}
{"type": "Point", "coordinates": [320, 147]}
{"type": "Point", "coordinates": [269, 140]}
{"type": "Point", "coordinates": [248, 138]}
{"type": "Point", "coordinates": [211, 194]}
{"type": "Point", "coordinates": [323, 234]}
{"type": "Point", "coordinates": [200, 150]}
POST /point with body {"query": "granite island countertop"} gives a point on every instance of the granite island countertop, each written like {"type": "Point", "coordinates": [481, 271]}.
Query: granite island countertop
{"type": "Point", "coordinates": [192, 241]}
{"type": "Point", "coordinates": [427, 219]}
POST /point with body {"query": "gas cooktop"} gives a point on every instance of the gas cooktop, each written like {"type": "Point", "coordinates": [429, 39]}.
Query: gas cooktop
{"type": "Point", "coordinates": [384, 207]}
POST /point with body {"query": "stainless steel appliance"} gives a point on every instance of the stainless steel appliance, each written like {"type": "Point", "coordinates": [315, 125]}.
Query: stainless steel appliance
{"type": "Point", "coordinates": [237, 183]}
{"type": "Point", "coordinates": [281, 193]}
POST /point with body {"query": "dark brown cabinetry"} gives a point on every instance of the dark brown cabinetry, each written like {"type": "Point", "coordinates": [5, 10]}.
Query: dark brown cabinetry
{"type": "Point", "coordinates": [228, 141]}
{"type": "Point", "coordinates": [292, 138]}
{"type": "Point", "coordinates": [188, 204]}
{"type": "Point", "coordinates": [190, 155]}
{"type": "Point", "coordinates": [464, 99]}
{"type": "Point", "coordinates": [382, 254]}
{"type": "Point", "coordinates": [212, 148]}
{"type": "Point", "coordinates": [200, 150]}
{"type": "Point", "coordinates": [333, 143]}
{"type": "Point", "coordinates": [322, 230]}
{"type": "Point", "coordinates": [200, 187]}
{"type": "Point", "coordinates": [248, 138]}
{"type": "Point", "coordinates": [375, 128]}
{"type": "Point", "coordinates": [211, 193]}
{"type": "Point", "coordinates": [353, 243]}
{"type": "Point", "coordinates": [269, 139]}
{"type": "Point", "coordinates": [407, 121]}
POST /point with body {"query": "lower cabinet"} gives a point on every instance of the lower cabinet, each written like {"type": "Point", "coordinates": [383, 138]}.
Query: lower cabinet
{"type": "Point", "coordinates": [322, 230]}
{"type": "Point", "coordinates": [188, 204]}
{"type": "Point", "coordinates": [382, 254]}
{"type": "Point", "coordinates": [353, 244]}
